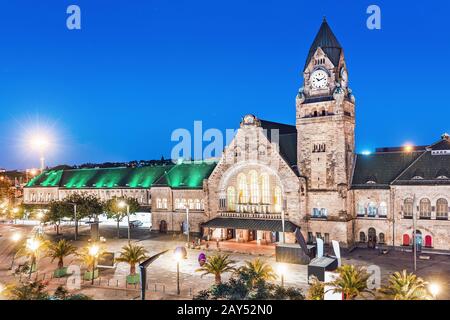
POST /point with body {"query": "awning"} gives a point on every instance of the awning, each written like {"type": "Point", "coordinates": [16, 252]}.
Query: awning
{"type": "Point", "coordinates": [250, 224]}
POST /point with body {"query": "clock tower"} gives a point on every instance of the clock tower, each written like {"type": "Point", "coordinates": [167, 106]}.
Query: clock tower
{"type": "Point", "coordinates": [325, 120]}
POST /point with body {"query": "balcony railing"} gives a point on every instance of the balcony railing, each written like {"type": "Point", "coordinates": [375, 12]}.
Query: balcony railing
{"type": "Point", "coordinates": [247, 215]}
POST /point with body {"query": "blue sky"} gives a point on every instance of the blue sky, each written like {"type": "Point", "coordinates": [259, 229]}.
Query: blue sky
{"type": "Point", "coordinates": [115, 90]}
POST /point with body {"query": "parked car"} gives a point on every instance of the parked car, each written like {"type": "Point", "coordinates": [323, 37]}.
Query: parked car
{"type": "Point", "coordinates": [136, 224]}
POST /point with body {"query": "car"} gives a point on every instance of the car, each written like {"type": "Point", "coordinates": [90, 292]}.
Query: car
{"type": "Point", "coordinates": [136, 224]}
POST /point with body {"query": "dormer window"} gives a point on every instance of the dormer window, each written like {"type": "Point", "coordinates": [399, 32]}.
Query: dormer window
{"type": "Point", "coordinates": [417, 178]}
{"type": "Point", "coordinates": [442, 178]}
{"type": "Point", "coordinates": [371, 182]}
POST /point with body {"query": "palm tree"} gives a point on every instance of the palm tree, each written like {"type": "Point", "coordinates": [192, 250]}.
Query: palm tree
{"type": "Point", "coordinates": [257, 270]}
{"type": "Point", "coordinates": [316, 290]}
{"type": "Point", "coordinates": [217, 265]}
{"type": "Point", "coordinates": [59, 250]}
{"type": "Point", "coordinates": [351, 282]}
{"type": "Point", "coordinates": [132, 254]}
{"type": "Point", "coordinates": [406, 286]}
{"type": "Point", "coordinates": [31, 248]}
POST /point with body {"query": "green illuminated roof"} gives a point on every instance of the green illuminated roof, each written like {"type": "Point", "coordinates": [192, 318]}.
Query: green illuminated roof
{"type": "Point", "coordinates": [185, 175]}
{"type": "Point", "coordinates": [46, 179]}
{"type": "Point", "coordinates": [188, 175]}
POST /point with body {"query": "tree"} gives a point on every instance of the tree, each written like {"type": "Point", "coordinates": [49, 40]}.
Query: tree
{"type": "Point", "coordinates": [32, 249]}
{"type": "Point", "coordinates": [351, 282]}
{"type": "Point", "coordinates": [257, 270]}
{"type": "Point", "coordinates": [59, 250]}
{"type": "Point", "coordinates": [58, 210]}
{"type": "Point", "coordinates": [34, 290]}
{"type": "Point", "coordinates": [239, 288]}
{"type": "Point", "coordinates": [7, 193]}
{"type": "Point", "coordinates": [132, 254]}
{"type": "Point", "coordinates": [316, 290]}
{"type": "Point", "coordinates": [114, 211]}
{"type": "Point", "coordinates": [88, 206]}
{"type": "Point", "coordinates": [405, 286]}
{"type": "Point", "coordinates": [217, 265]}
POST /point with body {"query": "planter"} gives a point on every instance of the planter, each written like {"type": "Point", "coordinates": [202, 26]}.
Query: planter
{"type": "Point", "coordinates": [88, 275]}
{"type": "Point", "coordinates": [133, 279]}
{"type": "Point", "coordinates": [59, 273]}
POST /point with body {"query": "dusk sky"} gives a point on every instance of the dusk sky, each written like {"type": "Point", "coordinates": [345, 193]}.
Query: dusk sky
{"type": "Point", "coordinates": [137, 70]}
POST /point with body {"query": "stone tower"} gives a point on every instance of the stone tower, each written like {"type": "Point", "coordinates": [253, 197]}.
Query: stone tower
{"type": "Point", "coordinates": [325, 119]}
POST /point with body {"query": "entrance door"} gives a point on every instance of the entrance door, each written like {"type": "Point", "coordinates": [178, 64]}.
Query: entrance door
{"type": "Point", "coordinates": [231, 234]}
{"type": "Point", "coordinates": [251, 235]}
{"type": "Point", "coordinates": [372, 238]}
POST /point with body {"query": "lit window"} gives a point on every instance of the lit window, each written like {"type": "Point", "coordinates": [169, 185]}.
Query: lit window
{"type": "Point", "coordinates": [158, 203]}
{"type": "Point", "coordinates": [277, 199]}
{"type": "Point", "coordinates": [242, 187]}
{"type": "Point", "coordinates": [254, 187]}
{"type": "Point", "coordinates": [164, 203]}
{"type": "Point", "coordinates": [177, 204]}
{"type": "Point", "coordinates": [183, 204]}
{"type": "Point", "coordinates": [425, 209]}
{"type": "Point", "coordinates": [360, 210]}
{"type": "Point", "coordinates": [231, 198]}
{"type": "Point", "coordinates": [442, 209]}
{"type": "Point", "coordinates": [265, 186]}
{"type": "Point", "coordinates": [191, 204]}
{"type": "Point", "coordinates": [372, 210]}
{"type": "Point", "coordinates": [197, 204]}
{"type": "Point", "coordinates": [382, 210]}
{"type": "Point", "coordinates": [408, 207]}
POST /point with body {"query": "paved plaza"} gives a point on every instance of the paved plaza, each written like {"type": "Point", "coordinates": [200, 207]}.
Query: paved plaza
{"type": "Point", "coordinates": [162, 273]}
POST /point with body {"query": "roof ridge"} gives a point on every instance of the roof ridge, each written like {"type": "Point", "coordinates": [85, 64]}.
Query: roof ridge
{"type": "Point", "coordinates": [407, 168]}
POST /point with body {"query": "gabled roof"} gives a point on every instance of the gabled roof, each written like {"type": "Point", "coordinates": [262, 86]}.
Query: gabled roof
{"type": "Point", "coordinates": [378, 170]}
{"type": "Point", "coordinates": [327, 41]}
{"type": "Point", "coordinates": [287, 139]}
{"type": "Point", "coordinates": [422, 166]}
{"type": "Point", "coordinates": [429, 169]}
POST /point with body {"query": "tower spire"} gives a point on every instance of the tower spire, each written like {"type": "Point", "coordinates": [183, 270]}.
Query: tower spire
{"type": "Point", "coordinates": [327, 41]}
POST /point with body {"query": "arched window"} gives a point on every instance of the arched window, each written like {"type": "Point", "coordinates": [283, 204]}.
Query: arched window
{"type": "Point", "coordinates": [372, 209]}
{"type": "Point", "coordinates": [442, 209]}
{"type": "Point", "coordinates": [164, 203]}
{"type": "Point", "coordinates": [231, 199]}
{"type": "Point", "coordinates": [177, 204]}
{"type": "Point", "coordinates": [183, 204]}
{"type": "Point", "coordinates": [242, 189]}
{"type": "Point", "coordinates": [277, 199]}
{"type": "Point", "coordinates": [425, 209]}
{"type": "Point", "coordinates": [382, 210]}
{"type": "Point", "coordinates": [362, 237]}
{"type": "Point", "coordinates": [265, 188]}
{"type": "Point", "coordinates": [191, 204]}
{"type": "Point", "coordinates": [408, 207]}
{"type": "Point", "coordinates": [382, 238]}
{"type": "Point", "coordinates": [361, 210]}
{"type": "Point", "coordinates": [254, 187]}
{"type": "Point", "coordinates": [158, 203]}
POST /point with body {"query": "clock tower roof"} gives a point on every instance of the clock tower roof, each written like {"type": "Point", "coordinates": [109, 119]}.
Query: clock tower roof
{"type": "Point", "coordinates": [327, 41]}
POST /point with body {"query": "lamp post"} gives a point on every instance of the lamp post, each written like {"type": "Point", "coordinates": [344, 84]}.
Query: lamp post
{"type": "Point", "coordinates": [177, 256]}
{"type": "Point", "coordinates": [93, 252]}
{"type": "Point", "coordinates": [187, 223]}
{"type": "Point", "coordinates": [281, 271]}
{"type": "Point", "coordinates": [33, 245]}
{"type": "Point", "coordinates": [123, 204]}
{"type": "Point", "coordinates": [414, 234]}
{"type": "Point", "coordinates": [15, 238]}
{"type": "Point", "coordinates": [75, 219]}
{"type": "Point", "coordinates": [283, 226]}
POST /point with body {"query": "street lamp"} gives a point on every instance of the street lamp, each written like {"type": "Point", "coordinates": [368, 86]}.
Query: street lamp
{"type": "Point", "coordinates": [122, 204]}
{"type": "Point", "coordinates": [15, 238]}
{"type": "Point", "coordinates": [33, 246]}
{"type": "Point", "coordinates": [281, 268]}
{"type": "Point", "coordinates": [178, 257]}
{"type": "Point", "coordinates": [434, 289]}
{"type": "Point", "coordinates": [93, 252]}
{"type": "Point", "coordinates": [40, 143]}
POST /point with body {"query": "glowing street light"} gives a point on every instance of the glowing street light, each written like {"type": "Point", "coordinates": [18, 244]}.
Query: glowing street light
{"type": "Point", "coordinates": [15, 238]}
{"type": "Point", "coordinates": [93, 252]}
{"type": "Point", "coordinates": [281, 270]}
{"type": "Point", "coordinates": [434, 289]}
{"type": "Point", "coordinates": [33, 246]}
{"type": "Point", "coordinates": [408, 147]}
{"type": "Point", "coordinates": [122, 204]}
{"type": "Point", "coordinates": [40, 143]}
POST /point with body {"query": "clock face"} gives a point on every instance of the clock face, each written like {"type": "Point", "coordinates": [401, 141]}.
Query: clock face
{"type": "Point", "coordinates": [319, 79]}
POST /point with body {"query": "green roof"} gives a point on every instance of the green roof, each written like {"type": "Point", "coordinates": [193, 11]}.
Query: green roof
{"type": "Point", "coordinates": [184, 175]}
{"type": "Point", "coordinates": [189, 175]}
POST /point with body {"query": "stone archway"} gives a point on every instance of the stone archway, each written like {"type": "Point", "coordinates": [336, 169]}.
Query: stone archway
{"type": "Point", "coordinates": [372, 238]}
